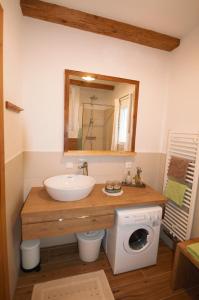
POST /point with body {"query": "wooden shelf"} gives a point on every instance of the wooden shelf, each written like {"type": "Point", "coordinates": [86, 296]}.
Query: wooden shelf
{"type": "Point", "coordinates": [98, 153]}
{"type": "Point", "coordinates": [44, 217]}
{"type": "Point", "coordinates": [13, 107]}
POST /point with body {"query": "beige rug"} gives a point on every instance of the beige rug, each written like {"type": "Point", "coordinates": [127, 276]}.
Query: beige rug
{"type": "Point", "coordinates": [89, 286]}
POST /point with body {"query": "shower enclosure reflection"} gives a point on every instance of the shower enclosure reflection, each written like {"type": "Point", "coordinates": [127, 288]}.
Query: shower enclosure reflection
{"type": "Point", "coordinates": [97, 125]}
{"type": "Point", "coordinates": [101, 114]}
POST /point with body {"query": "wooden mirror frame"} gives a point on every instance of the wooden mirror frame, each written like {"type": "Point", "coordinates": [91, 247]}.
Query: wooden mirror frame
{"type": "Point", "coordinates": [66, 113]}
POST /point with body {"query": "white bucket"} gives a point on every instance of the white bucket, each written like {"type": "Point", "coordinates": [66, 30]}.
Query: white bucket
{"type": "Point", "coordinates": [89, 244]}
{"type": "Point", "coordinates": [30, 254]}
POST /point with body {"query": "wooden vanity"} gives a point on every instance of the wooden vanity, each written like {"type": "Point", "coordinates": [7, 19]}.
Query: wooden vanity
{"type": "Point", "coordinates": [44, 217]}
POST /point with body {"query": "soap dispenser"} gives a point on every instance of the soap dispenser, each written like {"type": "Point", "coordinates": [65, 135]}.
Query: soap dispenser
{"type": "Point", "coordinates": [128, 179]}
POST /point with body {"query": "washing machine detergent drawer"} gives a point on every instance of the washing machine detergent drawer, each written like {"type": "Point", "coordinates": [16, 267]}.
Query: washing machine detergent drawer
{"type": "Point", "coordinates": [145, 221]}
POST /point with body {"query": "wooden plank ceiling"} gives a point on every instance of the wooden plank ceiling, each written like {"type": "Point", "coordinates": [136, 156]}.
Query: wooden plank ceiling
{"type": "Point", "coordinates": [88, 22]}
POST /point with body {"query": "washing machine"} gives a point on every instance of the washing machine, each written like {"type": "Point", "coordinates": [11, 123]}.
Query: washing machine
{"type": "Point", "coordinates": [132, 242]}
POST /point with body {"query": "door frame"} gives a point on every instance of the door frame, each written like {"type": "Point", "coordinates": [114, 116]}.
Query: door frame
{"type": "Point", "coordinates": [4, 275]}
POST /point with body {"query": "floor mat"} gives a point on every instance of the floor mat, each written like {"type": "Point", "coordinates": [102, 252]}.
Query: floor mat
{"type": "Point", "coordinates": [89, 286]}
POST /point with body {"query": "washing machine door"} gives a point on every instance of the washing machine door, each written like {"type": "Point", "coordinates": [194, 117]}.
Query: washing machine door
{"type": "Point", "coordinates": [138, 239]}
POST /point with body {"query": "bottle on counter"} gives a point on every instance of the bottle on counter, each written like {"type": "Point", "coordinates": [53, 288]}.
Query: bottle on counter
{"type": "Point", "coordinates": [128, 179]}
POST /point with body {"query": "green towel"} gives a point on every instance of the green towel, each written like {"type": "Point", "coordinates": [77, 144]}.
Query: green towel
{"type": "Point", "coordinates": [193, 249]}
{"type": "Point", "coordinates": [175, 191]}
{"type": "Point", "coordinates": [79, 139]}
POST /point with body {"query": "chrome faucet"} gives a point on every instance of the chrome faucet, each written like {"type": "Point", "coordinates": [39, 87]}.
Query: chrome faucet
{"type": "Point", "coordinates": [84, 167]}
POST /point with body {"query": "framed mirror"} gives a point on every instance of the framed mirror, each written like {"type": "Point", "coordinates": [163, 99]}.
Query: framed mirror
{"type": "Point", "coordinates": [100, 114]}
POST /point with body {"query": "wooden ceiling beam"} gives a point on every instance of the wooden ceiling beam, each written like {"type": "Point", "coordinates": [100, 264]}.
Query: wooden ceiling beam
{"type": "Point", "coordinates": [93, 85]}
{"type": "Point", "coordinates": [88, 22]}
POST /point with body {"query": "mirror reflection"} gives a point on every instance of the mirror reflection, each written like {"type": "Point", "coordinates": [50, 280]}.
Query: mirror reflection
{"type": "Point", "coordinates": [101, 114]}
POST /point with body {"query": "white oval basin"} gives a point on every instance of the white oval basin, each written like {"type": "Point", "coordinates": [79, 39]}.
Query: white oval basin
{"type": "Point", "coordinates": [69, 187]}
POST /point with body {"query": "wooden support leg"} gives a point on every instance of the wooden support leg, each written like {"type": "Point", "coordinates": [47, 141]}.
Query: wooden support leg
{"type": "Point", "coordinates": [185, 274]}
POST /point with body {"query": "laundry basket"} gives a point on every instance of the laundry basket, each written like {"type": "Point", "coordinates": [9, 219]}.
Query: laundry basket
{"type": "Point", "coordinates": [89, 244]}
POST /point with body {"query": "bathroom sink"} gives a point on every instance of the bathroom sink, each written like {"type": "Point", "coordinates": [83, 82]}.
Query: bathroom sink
{"type": "Point", "coordinates": [69, 187]}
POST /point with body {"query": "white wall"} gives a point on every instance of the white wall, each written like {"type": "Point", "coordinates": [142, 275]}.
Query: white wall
{"type": "Point", "coordinates": [12, 76]}
{"type": "Point", "coordinates": [183, 85]}
{"type": "Point", "coordinates": [183, 104]}
{"type": "Point", "coordinates": [51, 48]}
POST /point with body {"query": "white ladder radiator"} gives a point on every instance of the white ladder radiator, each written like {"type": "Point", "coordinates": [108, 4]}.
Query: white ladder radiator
{"type": "Point", "coordinates": [178, 219]}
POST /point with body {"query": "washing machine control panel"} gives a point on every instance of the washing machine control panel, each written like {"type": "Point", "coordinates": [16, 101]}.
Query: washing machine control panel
{"type": "Point", "coordinates": [150, 219]}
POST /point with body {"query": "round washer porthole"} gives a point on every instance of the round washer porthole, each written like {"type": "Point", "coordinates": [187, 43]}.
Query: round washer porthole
{"type": "Point", "coordinates": [138, 240]}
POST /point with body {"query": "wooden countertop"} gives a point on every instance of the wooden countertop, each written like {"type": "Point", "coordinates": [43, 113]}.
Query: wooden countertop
{"type": "Point", "coordinates": [40, 207]}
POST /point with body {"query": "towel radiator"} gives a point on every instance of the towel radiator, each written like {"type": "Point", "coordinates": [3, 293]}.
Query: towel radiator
{"type": "Point", "coordinates": [178, 220]}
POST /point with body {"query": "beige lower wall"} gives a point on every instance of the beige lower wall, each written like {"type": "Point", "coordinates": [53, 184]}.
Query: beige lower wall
{"type": "Point", "coordinates": [40, 165]}
{"type": "Point", "coordinates": [14, 202]}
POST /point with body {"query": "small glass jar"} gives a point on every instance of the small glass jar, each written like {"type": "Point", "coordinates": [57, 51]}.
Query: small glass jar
{"type": "Point", "coordinates": [109, 186]}
{"type": "Point", "coordinates": [117, 185]}
{"type": "Point", "coordinates": [128, 179]}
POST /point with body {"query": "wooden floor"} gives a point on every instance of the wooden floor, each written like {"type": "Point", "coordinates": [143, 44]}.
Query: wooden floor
{"type": "Point", "coordinates": [151, 283]}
